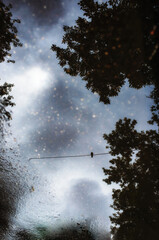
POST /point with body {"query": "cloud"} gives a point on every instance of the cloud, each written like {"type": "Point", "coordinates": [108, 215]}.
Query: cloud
{"type": "Point", "coordinates": [53, 138]}
{"type": "Point", "coordinates": [59, 117]}
{"type": "Point", "coordinates": [29, 84]}
{"type": "Point", "coordinates": [43, 13]}
{"type": "Point", "coordinates": [86, 198]}
{"type": "Point", "coordinates": [53, 127]}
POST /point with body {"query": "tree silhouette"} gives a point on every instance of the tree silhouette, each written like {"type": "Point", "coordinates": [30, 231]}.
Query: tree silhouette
{"type": "Point", "coordinates": [8, 32]}
{"type": "Point", "coordinates": [155, 107]}
{"type": "Point", "coordinates": [135, 167]}
{"type": "Point", "coordinates": [8, 37]}
{"type": "Point", "coordinates": [5, 101]}
{"type": "Point", "coordinates": [114, 40]}
{"type": "Point", "coordinates": [72, 232]}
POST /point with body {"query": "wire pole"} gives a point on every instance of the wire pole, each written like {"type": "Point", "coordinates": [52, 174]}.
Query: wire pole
{"type": "Point", "coordinates": [75, 156]}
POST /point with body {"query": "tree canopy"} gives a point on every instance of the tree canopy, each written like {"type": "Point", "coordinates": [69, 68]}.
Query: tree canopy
{"type": "Point", "coordinates": [155, 107]}
{"type": "Point", "coordinates": [115, 41]}
{"type": "Point", "coordinates": [8, 32]}
{"type": "Point", "coordinates": [72, 232]}
{"type": "Point", "coordinates": [8, 37]}
{"type": "Point", "coordinates": [112, 42]}
{"type": "Point", "coordinates": [5, 101]}
{"type": "Point", "coordinates": [135, 167]}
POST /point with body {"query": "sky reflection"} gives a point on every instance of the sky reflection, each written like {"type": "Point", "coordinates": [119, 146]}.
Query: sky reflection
{"type": "Point", "coordinates": [55, 115]}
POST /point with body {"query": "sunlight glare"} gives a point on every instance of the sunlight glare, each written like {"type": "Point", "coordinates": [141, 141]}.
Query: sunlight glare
{"type": "Point", "coordinates": [29, 85]}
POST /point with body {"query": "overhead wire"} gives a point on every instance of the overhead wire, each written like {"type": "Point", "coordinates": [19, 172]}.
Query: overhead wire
{"type": "Point", "coordinates": [72, 156]}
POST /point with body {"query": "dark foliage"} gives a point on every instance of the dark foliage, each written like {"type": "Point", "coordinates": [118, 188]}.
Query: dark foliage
{"type": "Point", "coordinates": [5, 101]}
{"type": "Point", "coordinates": [11, 189]}
{"type": "Point", "coordinates": [78, 232]}
{"type": "Point", "coordinates": [8, 178]}
{"type": "Point", "coordinates": [8, 37]}
{"type": "Point", "coordinates": [114, 40]}
{"type": "Point", "coordinates": [135, 167]}
{"type": "Point", "coordinates": [155, 107]}
{"type": "Point", "coordinates": [8, 32]}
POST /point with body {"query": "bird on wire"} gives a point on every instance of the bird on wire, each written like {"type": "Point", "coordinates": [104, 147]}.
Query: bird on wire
{"type": "Point", "coordinates": [74, 156]}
